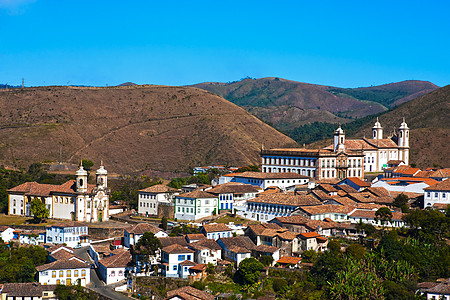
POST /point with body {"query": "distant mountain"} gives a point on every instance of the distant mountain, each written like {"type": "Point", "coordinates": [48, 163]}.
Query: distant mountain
{"type": "Point", "coordinates": [289, 104]}
{"type": "Point", "coordinates": [429, 119]}
{"type": "Point", "coordinates": [127, 84]}
{"type": "Point", "coordinates": [133, 129]}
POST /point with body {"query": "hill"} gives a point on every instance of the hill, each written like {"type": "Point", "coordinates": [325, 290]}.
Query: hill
{"type": "Point", "coordinates": [132, 129]}
{"type": "Point", "coordinates": [429, 119]}
{"type": "Point", "coordinates": [289, 104]}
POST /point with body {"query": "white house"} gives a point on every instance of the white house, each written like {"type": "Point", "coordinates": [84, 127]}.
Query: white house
{"type": "Point", "coordinates": [31, 237]}
{"type": "Point", "coordinates": [438, 195]}
{"type": "Point", "coordinates": [114, 268]}
{"type": "Point", "coordinates": [132, 235]}
{"type": "Point", "coordinates": [337, 213]}
{"type": "Point", "coordinates": [6, 233]}
{"type": "Point", "coordinates": [28, 290]}
{"type": "Point", "coordinates": [264, 180]}
{"type": "Point", "coordinates": [216, 231]}
{"type": "Point", "coordinates": [69, 272]}
{"type": "Point", "coordinates": [405, 184]}
{"type": "Point", "coordinates": [206, 251]}
{"type": "Point", "coordinates": [313, 241]}
{"type": "Point", "coordinates": [236, 248]}
{"type": "Point", "coordinates": [71, 233]}
{"type": "Point", "coordinates": [368, 217]}
{"type": "Point", "coordinates": [230, 193]}
{"type": "Point", "coordinates": [195, 205]}
{"type": "Point", "coordinates": [149, 198]}
{"type": "Point", "coordinates": [171, 258]}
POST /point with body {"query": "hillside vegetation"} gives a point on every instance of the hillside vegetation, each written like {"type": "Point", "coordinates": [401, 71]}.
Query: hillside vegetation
{"type": "Point", "coordinates": [289, 104]}
{"type": "Point", "coordinates": [429, 119]}
{"type": "Point", "coordinates": [132, 129]}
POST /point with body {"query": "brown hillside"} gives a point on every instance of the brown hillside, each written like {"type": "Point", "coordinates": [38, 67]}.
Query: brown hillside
{"type": "Point", "coordinates": [131, 128]}
{"type": "Point", "coordinates": [429, 119]}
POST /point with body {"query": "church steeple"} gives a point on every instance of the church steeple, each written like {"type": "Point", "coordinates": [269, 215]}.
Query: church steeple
{"type": "Point", "coordinates": [377, 131]}
{"type": "Point", "coordinates": [102, 176]}
{"type": "Point", "coordinates": [339, 139]}
{"type": "Point", "coordinates": [82, 176]}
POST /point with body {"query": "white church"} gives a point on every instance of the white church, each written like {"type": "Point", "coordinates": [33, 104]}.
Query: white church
{"type": "Point", "coordinates": [74, 200]}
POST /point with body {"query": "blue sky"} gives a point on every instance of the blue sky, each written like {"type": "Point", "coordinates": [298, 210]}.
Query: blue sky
{"type": "Point", "coordinates": [339, 43]}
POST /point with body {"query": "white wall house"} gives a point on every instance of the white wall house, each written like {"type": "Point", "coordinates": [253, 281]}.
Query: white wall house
{"type": "Point", "coordinates": [405, 184]}
{"type": "Point", "coordinates": [69, 272]}
{"type": "Point", "coordinates": [132, 235]}
{"type": "Point", "coordinates": [264, 180]}
{"type": "Point", "coordinates": [149, 198]}
{"type": "Point", "coordinates": [231, 193]}
{"type": "Point", "coordinates": [114, 268]}
{"type": "Point", "coordinates": [368, 217]}
{"type": "Point", "coordinates": [236, 248]}
{"type": "Point", "coordinates": [216, 231]}
{"type": "Point", "coordinates": [438, 195]}
{"type": "Point", "coordinates": [71, 233]}
{"type": "Point", "coordinates": [195, 205]}
{"type": "Point", "coordinates": [171, 258]}
{"type": "Point", "coordinates": [6, 233]}
{"type": "Point", "coordinates": [206, 251]}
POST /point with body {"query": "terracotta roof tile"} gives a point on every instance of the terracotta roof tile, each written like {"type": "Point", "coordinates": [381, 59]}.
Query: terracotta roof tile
{"type": "Point", "coordinates": [309, 235]}
{"type": "Point", "coordinates": [346, 188]}
{"type": "Point", "coordinates": [120, 259]}
{"type": "Point", "coordinates": [219, 227]}
{"type": "Point", "coordinates": [197, 194]}
{"type": "Point", "coordinates": [265, 248]}
{"type": "Point", "coordinates": [159, 188]}
{"type": "Point", "coordinates": [29, 289]}
{"type": "Point", "coordinates": [233, 188]}
{"type": "Point", "coordinates": [205, 244]}
{"type": "Point", "coordinates": [238, 241]}
{"type": "Point", "coordinates": [359, 182]}
{"type": "Point", "coordinates": [327, 208]}
{"type": "Point", "coordinates": [289, 260]}
{"type": "Point", "coordinates": [440, 186]}
{"type": "Point", "coordinates": [291, 199]}
{"type": "Point", "coordinates": [189, 293]}
{"type": "Point", "coordinates": [195, 236]}
{"type": "Point", "coordinates": [279, 175]}
{"type": "Point", "coordinates": [175, 248]}
{"type": "Point", "coordinates": [370, 214]}
{"type": "Point", "coordinates": [187, 263]}
{"type": "Point", "coordinates": [378, 191]}
{"type": "Point", "coordinates": [63, 265]}
{"type": "Point", "coordinates": [141, 228]}
{"type": "Point", "coordinates": [167, 241]}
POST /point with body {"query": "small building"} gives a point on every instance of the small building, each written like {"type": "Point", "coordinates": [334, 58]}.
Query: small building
{"type": "Point", "coordinates": [171, 258]}
{"type": "Point", "coordinates": [230, 193]}
{"type": "Point", "coordinates": [337, 213]}
{"type": "Point", "coordinates": [195, 205]}
{"type": "Point", "coordinates": [150, 198]}
{"type": "Point", "coordinates": [313, 241]}
{"type": "Point", "coordinates": [438, 195]}
{"type": "Point", "coordinates": [237, 248]}
{"type": "Point", "coordinates": [206, 251]}
{"type": "Point", "coordinates": [29, 290]}
{"type": "Point", "coordinates": [68, 272]}
{"type": "Point", "coordinates": [283, 180]}
{"type": "Point", "coordinates": [114, 268]}
{"type": "Point", "coordinates": [216, 231]}
{"type": "Point", "coordinates": [356, 183]}
{"type": "Point", "coordinates": [289, 262]}
{"type": "Point", "coordinates": [368, 217]}
{"type": "Point", "coordinates": [132, 234]}
{"type": "Point", "coordinates": [6, 233]}
{"type": "Point", "coordinates": [195, 237]}
{"type": "Point", "coordinates": [70, 233]}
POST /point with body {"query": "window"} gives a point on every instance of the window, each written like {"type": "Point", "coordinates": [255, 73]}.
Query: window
{"type": "Point", "coordinates": [175, 267]}
{"type": "Point", "coordinates": [69, 273]}
{"type": "Point", "coordinates": [181, 257]}
{"type": "Point", "coordinates": [61, 273]}
{"type": "Point", "coordinates": [436, 195]}
{"type": "Point", "coordinates": [189, 257]}
{"type": "Point", "coordinates": [113, 273]}
{"type": "Point", "coordinates": [75, 273]}
{"type": "Point", "coordinates": [53, 274]}
{"type": "Point", "coordinates": [120, 273]}
{"type": "Point", "coordinates": [83, 272]}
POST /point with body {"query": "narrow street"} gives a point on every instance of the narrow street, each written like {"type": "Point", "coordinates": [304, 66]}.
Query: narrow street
{"type": "Point", "coordinates": [96, 284]}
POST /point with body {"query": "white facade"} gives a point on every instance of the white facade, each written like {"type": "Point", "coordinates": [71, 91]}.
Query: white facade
{"type": "Point", "coordinates": [437, 195]}
{"type": "Point", "coordinates": [151, 197]}
{"type": "Point", "coordinates": [70, 235]}
{"type": "Point", "coordinates": [111, 275]}
{"type": "Point", "coordinates": [7, 234]}
{"type": "Point", "coordinates": [192, 207]}
{"type": "Point", "coordinates": [264, 183]}
{"type": "Point", "coordinates": [73, 200]}
{"type": "Point", "coordinates": [66, 276]}
{"type": "Point", "coordinates": [170, 262]}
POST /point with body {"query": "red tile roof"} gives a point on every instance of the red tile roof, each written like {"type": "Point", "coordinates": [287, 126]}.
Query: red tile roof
{"type": "Point", "coordinates": [219, 227]}
{"type": "Point", "coordinates": [233, 188]}
{"type": "Point", "coordinates": [441, 186]}
{"type": "Point", "coordinates": [358, 182]}
{"type": "Point", "coordinates": [120, 259]}
{"type": "Point", "coordinates": [63, 265]}
{"type": "Point", "coordinates": [197, 194]}
{"type": "Point", "coordinates": [189, 293]}
{"type": "Point", "coordinates": [309, 235]}
{"type": "Point", "coordinates": [291, 199]}
{"type": "Point", "coordinates": [141, 228]}
{"type": "Point", "coordinates": [289, 260]}
{"type": "Point", "coordinates": [280, 175]}
{"type": "Point", "coordinates": [158, 189]}
{"type": "Point", "coordinates": [175, 248]}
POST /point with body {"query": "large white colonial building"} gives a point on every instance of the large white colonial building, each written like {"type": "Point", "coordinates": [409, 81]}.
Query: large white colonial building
{"type": "Point", "coordinates": [74, 200]}
{"type": "Point", "coordinates": [345, 158]}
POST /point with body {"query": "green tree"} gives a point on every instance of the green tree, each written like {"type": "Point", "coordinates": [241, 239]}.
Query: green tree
{"type": "Point", "coordinates": [39, 210]}
{"type": "Point", "coordinates": [327, 266]}
{"type": "Point", "coordinates": [148, 244]}
{"type": "Point", "coordinates": [356, 251]}
{"type": "Point", "coordinates": [164, 223]}
{"type": "Point", "coordinates": [249, 271]}
{"type": "Point", "coordinates": [334, 246]}
{"type": "Point", "coordinates": [401, 201]}
{"type": "Point", "coordinates": [384, 215]}
{"type": "Point", "coordinates": [266, 260]}
{"type": "Point", "coordinates": [210, 269]}
{"type": "Point", "coordinates": [87, 164]}
{"type": "Point", "coordinates": [309, 256]}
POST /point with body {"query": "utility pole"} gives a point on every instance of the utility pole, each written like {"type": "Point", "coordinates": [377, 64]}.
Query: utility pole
{"type": "Point", "coordinates": [23, 82]}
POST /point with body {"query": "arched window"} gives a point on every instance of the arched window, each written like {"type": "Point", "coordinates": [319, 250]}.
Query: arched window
{"type": "Point", "coordinates": [81, 182]}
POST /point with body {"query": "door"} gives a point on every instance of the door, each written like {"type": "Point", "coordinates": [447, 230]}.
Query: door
{"type": "Point", "coordinates": [69, 281]}
{"type": "Point", "coordinates": [100, 216]}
